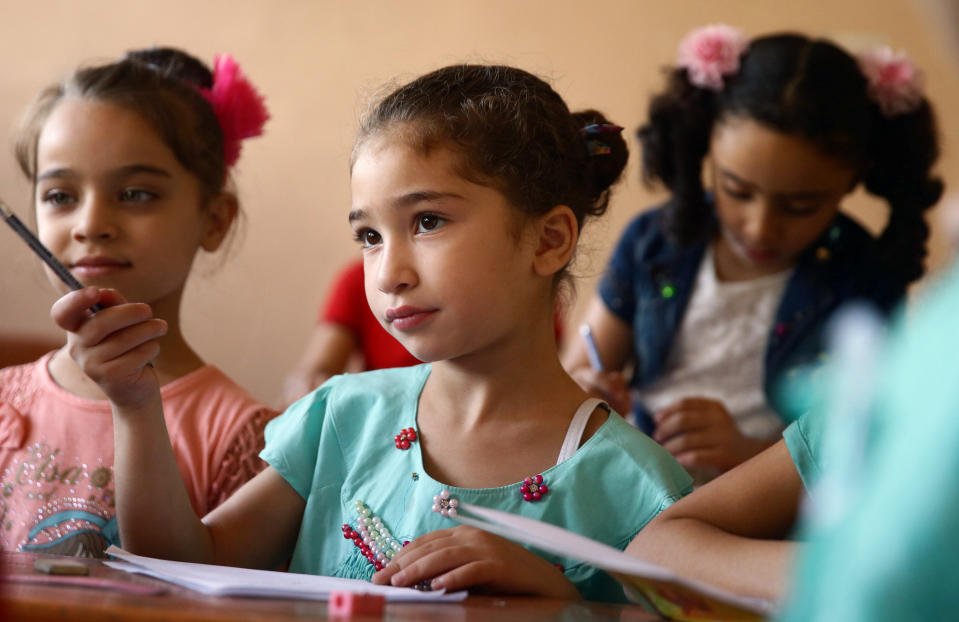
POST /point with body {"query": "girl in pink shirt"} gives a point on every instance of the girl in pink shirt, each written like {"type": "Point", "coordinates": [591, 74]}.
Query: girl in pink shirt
{"type": "Point", "coordinates": [129, 163]}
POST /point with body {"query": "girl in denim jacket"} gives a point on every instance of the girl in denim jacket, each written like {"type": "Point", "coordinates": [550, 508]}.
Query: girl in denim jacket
{"type": "Point", "coordinates": [713, 299]}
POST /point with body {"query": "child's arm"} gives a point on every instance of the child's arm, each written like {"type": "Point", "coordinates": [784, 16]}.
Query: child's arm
{"type": "Point", "coordinates": [465, 557]}
{"type": "Point", "coordinates": [257, 527]}
{"type": "Point", "coordinates": [613, 339]}
{"type": "Point", "coordinates": [730, 532]}
{"type": "Point", "coordinates": [327, 354]}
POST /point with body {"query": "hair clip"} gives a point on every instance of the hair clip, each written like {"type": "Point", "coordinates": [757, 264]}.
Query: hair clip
{"type": "Point", "coordinates": [710, 53]}
{"type": "Point", "coordinates": [596, 129]}
{"type": "Point", "coordinates": [238, 106]}
{"type": "Point", "coordinates": [895, 84]}
{"type": "Point", "coordinates": [595, 146]}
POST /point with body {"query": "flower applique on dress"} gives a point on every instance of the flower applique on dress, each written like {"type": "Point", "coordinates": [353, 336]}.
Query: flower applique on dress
{"type": "Point", "coordinates": [533, 488]}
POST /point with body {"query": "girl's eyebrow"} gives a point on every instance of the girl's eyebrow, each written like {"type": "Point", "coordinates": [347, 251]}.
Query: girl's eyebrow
{"type": "Point", "coordinates": [408, 200]}
{"type": "Point", "coordinates": [805, 194]}
{"type": "Point", "coordinates": [734, 177]}
{"type": "Point", "coordinates": [141, 168]}
{"type": "Point", "coordinates": [124, 171]}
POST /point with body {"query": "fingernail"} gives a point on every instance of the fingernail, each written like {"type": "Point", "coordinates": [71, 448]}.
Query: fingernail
{"type": "Point", "coordinates": [437, 584]}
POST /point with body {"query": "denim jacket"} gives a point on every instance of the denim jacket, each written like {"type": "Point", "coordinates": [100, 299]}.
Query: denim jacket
{"type": "Point", "coordinates": [649, 281]}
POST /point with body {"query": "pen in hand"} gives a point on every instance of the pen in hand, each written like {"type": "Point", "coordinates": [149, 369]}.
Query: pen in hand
{"type": "Point", "coordinates": [58, 268]}
{"type": "Point", "coordinates": [591, 350]}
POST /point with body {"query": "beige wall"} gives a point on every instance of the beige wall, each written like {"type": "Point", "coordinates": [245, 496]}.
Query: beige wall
{"type": "Point", "coordinates": [318, 61]}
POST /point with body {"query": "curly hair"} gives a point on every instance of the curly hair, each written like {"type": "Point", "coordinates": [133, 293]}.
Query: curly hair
{"type": "Point", "coordinates": [809, 88]}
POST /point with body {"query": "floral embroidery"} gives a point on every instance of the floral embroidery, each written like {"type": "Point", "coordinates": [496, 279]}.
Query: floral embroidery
{"type": "Point", "coordinates": [533, 488]}
{"type": "Point", "coordinates": [444, 504]}
{"type": "Point", "coordinates": [404, 438]}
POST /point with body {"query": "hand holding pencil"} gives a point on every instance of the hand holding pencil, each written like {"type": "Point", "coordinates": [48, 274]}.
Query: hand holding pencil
{"type": "Point", "coordinates": [114, 347]}
{"type": "Point", "coordinates": [609, 385]}
{"type": "Point", "coordinates": [112, 340]}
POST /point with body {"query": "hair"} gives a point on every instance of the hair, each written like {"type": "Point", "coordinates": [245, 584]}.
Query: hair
{"type": "Point", "coordinates": [809, 88]}
{"type": "Point", "coordinates": [511, 130]}
{"type": "Point", "coordinates": [162, 86]}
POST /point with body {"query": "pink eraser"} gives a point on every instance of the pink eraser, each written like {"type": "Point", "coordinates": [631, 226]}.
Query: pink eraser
{"type": "Point", "coordinates": [354, 604]}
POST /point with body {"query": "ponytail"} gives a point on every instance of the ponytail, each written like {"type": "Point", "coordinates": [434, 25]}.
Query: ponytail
{"type": "Point", "coordinates": [905, 149]}
{"type": "Point", "coordinates": [675, 140]}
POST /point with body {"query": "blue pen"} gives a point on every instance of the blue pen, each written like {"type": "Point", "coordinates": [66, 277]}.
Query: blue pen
{"type": "Point", "coordinates": [591, 350]}
{"type": "Point", "coordinates": [58, 268]}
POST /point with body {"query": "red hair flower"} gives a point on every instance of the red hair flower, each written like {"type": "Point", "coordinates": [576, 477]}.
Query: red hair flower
{"type": "Point", "coordinates": [237, 104]}
{"type": "Point", "coordinates": [894, 82]}
{"type": "Point", "coordinates": [710, 53]}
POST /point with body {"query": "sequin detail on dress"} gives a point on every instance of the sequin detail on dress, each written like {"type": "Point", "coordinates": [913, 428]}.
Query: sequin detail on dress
{"type": "Point", "coordinates": [371, 536]}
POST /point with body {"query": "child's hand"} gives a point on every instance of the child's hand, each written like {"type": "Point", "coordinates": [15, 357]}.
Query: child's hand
{"type": "Point", "coordinates": [607, 385]}
{"type": "Point", "coordinates": [114, 346]}
{"type": "Point", "coordinates": [701, 433]}
{"type": "Point", "coordinates": [465, 557]}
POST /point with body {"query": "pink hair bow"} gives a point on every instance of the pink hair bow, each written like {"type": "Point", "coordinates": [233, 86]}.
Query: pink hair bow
{"type": "Point", "coordinates": [894, 82]}
{"type": "Point", "coordinates": [710, 53]}
{"type": "Point", "coordinates": [237, 104]}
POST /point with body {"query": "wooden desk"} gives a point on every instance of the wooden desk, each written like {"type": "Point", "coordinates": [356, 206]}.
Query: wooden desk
{"type": "Point", "coordinates": [20, 601]}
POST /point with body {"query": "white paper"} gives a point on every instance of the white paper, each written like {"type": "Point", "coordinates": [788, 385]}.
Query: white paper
{"type": "Point", "coordinates": [559, 541]}
{"type": "Point", "coordinates": [229, 581]}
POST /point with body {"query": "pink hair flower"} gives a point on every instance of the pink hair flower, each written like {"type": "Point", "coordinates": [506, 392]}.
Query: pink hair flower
{"type": "Point", "coordinates": [710, 53]}
{"type": "Point", "coordinates": [238, 106]}
{"type": "Point", "coordinates": [894, 82]}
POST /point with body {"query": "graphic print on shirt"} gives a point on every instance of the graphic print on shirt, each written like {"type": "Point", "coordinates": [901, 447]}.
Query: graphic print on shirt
{"type": "Point", "coordinates": [73, 503]}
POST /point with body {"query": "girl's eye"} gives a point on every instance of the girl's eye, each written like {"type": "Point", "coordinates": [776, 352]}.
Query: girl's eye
{"type": "Point", "coordinates": [428, 222]}
{"type": "Point", "coordinates": [735, 193]}
{"type": "Point", "coordinates": [367, 238]}
{"type": "Point", "coordinates": [135, 195]}
{"type": "Point", "coordinates": [57, 197]}
{"type": "Point", "coordinates": [801, 208]}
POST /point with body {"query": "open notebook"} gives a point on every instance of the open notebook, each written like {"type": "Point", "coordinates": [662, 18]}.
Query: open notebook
{"type": "Point", "coordinates": [658, 589]}
{"type": "Point", "coordinates": [229, 581]}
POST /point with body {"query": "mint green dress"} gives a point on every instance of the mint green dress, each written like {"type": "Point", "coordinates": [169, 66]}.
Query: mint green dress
{"type": "Point", "coordinates": [336, 446]}
{"type": "Point", "coordinates": [804, 441]}
{"type": "Point", "coordinates": [893, 552]}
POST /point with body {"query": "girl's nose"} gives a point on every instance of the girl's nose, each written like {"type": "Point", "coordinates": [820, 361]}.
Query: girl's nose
{"type": "Point", "coordinates": [760, 224]}
{"type": "Point", "coordinates": [94, 221]}
{"type": "Point", "coordinates": [395, 270]}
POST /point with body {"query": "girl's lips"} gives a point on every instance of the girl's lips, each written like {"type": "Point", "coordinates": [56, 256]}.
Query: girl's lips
{"type": "Point", "coordinates": [759, 255]}
{"type": "Point", "coordinates": [406, 318]}
{"type": "Point", "coordinates": [97, 266]}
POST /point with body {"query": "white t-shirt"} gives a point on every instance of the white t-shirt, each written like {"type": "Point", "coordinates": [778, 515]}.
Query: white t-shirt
{"type": "Point", "coordinates": [720, 349]}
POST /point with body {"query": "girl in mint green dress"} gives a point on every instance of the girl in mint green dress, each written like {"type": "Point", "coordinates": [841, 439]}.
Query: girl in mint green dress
{"type": "Point", "coordinates": [470, 186]}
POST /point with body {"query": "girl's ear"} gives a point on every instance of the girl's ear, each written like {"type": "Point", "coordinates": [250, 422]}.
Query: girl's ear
{"type": "Point", "coordinates": [557, 233]}
{"type": "Point", "coordinates": [220, 213]}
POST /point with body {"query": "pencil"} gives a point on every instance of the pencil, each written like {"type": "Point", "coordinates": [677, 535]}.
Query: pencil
{"type": "Point", "coordinates": [595, 361]}
{"type": "Point", "coordinates": [58, 268]}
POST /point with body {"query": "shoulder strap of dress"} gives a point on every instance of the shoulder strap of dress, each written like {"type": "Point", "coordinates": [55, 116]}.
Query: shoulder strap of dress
{"type": "Point", "coordinates": [576, 427]}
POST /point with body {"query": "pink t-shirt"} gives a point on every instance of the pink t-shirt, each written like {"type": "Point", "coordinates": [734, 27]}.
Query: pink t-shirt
{"type": "Point", "coordinates": [56, 455]}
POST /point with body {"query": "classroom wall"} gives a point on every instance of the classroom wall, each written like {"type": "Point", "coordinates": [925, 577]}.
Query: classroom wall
{"type": "Point", "coordinates": [319, 61]}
